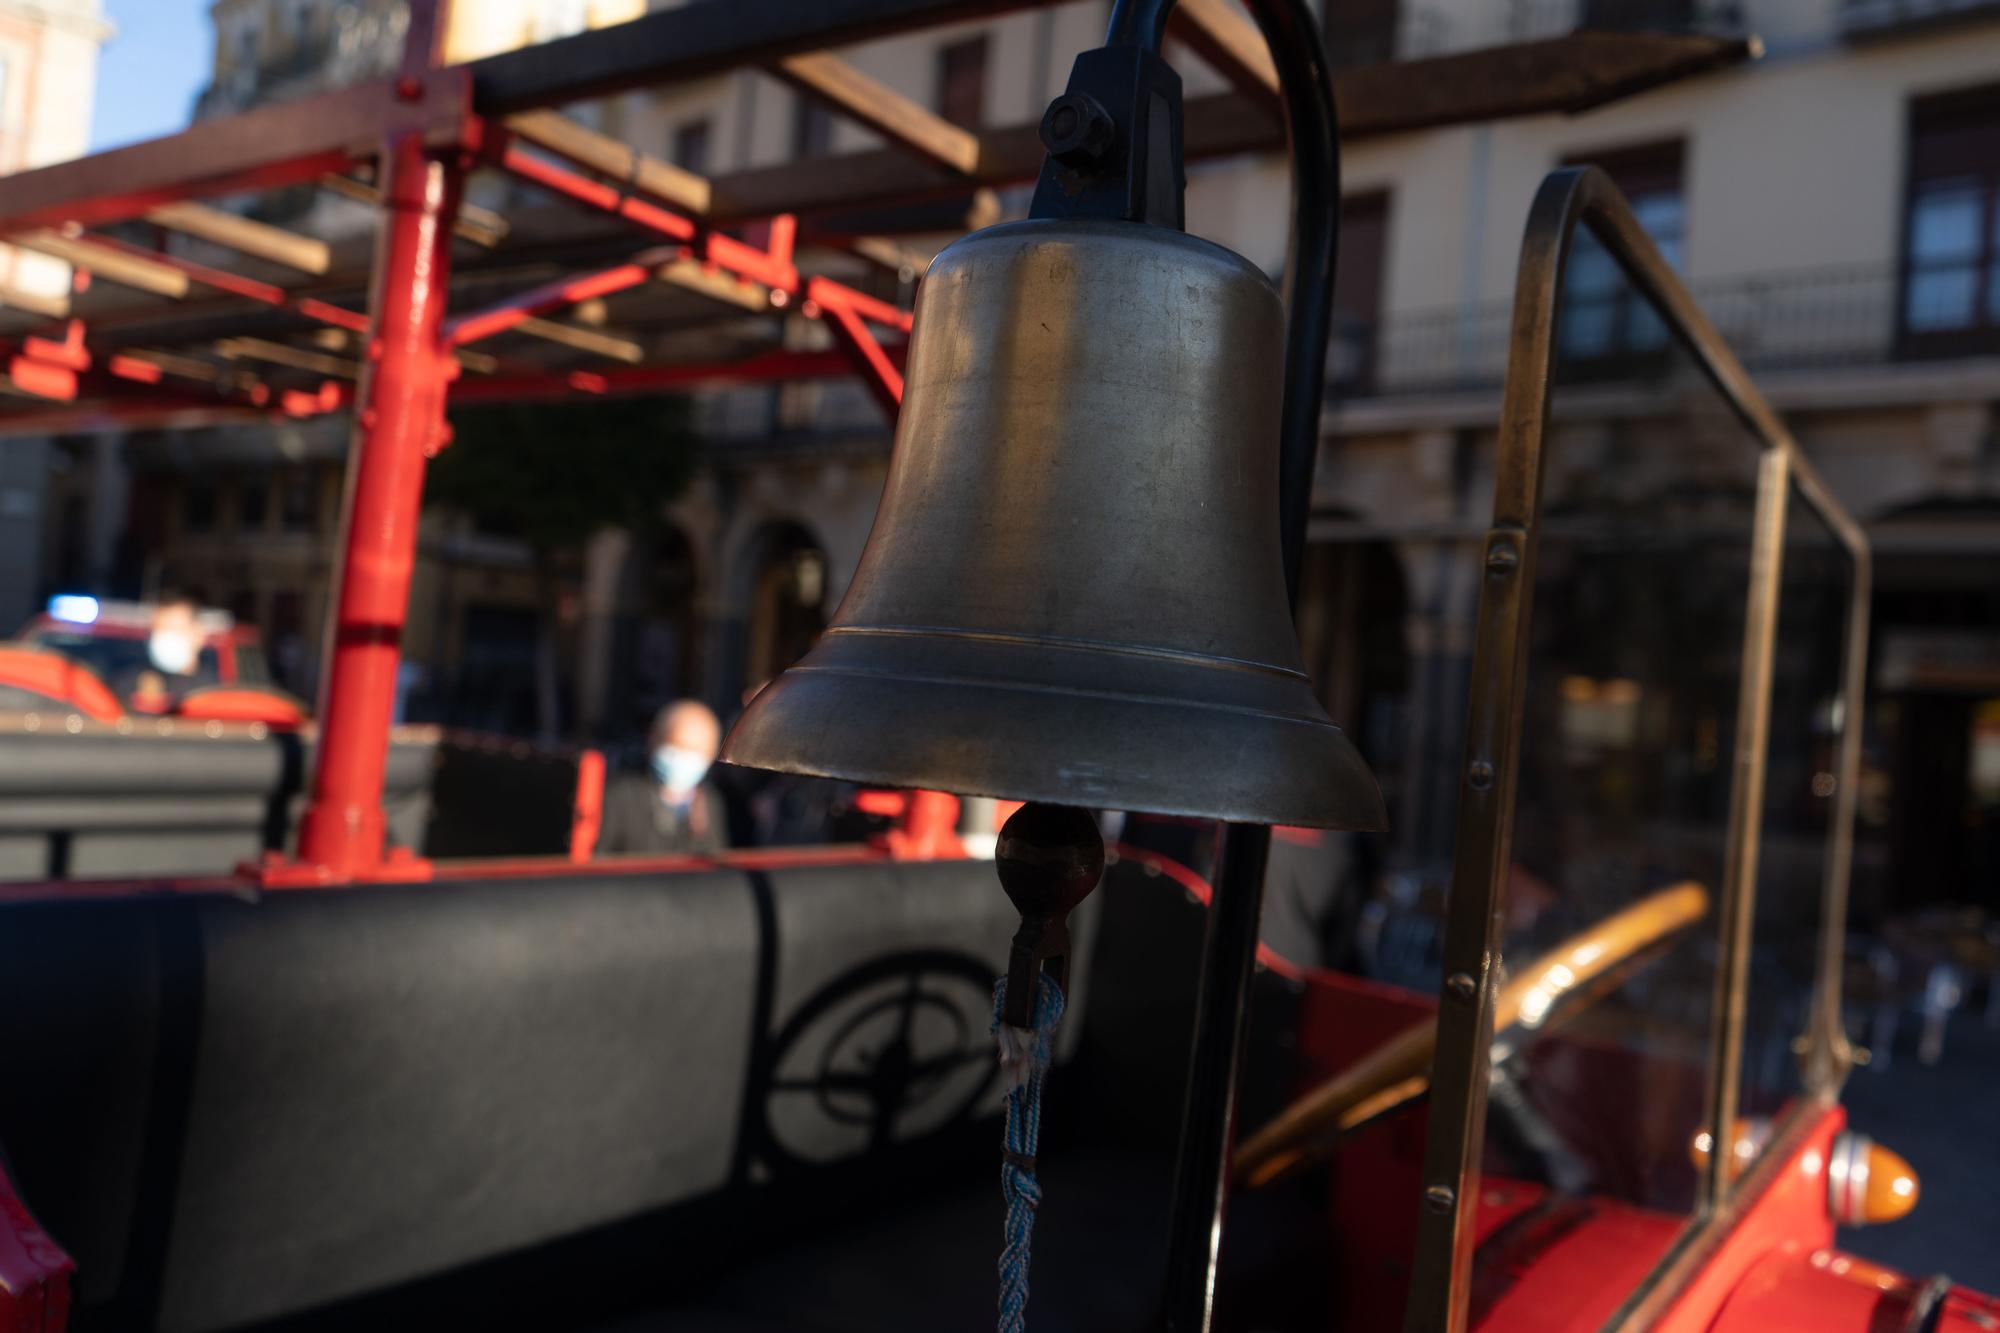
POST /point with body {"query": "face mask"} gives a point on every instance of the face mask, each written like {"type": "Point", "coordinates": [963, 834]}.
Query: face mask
{"type": "Point", "coordinates": [679, 770]}
{"type": "Point", "coordinates": [172, 651]}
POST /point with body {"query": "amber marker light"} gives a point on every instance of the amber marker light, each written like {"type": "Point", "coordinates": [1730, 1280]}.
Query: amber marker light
{"type": "Point", "coordinates": [1866, 1183]}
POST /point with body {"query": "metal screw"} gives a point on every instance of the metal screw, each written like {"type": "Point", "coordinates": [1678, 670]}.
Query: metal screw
{"type": "Point", "coordinates": [1480, 774]}
{"type": "Point", "coordinates": [1440, 1198]}
{"type": "Point", "coordinates": [1461, 986]}
{"type": "Point", "coordinates": [1077, 130]}
{"type": "Point", "coordinates": [1501, 559]}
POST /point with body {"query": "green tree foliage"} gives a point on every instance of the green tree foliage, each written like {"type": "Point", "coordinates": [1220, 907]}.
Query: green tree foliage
{"type": "Point", "coordinates": [551, 474]}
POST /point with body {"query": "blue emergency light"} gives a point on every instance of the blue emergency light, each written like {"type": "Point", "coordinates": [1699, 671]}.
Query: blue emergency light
{"type": "Point", "coordinates": [76, 608]}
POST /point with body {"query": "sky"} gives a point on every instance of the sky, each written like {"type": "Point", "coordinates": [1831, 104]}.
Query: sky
{"type": "Point", "coordinates": [149, 73]}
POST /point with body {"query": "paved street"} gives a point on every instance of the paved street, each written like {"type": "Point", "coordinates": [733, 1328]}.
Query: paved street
{"type": "Point", "coordinates": [1945, 1121]}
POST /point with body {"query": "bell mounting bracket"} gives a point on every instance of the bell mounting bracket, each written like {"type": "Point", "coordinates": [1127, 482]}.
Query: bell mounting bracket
{"type": "Point", "coordinates": [1114, 141]}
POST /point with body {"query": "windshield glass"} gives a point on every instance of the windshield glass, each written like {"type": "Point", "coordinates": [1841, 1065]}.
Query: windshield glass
{"type": "Point", "coordinates": [251, 668]}
{"type": "Point", "coordinates": [1795, 853]}
{"type": "Point", "coordinates": [1600, 1070]}
{"type": "Point", "coordinates": [119, 660]}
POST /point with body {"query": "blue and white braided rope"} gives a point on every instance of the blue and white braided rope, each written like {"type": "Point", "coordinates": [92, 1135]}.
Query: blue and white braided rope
{"type": "Point", "coordinates": [1024, 1055]}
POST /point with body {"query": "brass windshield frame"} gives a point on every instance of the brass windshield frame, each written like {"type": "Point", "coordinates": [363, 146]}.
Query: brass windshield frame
{"type": "Point", "coordinates": [1440, 1287]}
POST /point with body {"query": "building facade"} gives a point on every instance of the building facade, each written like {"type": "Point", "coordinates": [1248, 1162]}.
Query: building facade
{"type": "Point", "coordinates": [48, 74]}
{"type": "Point", "coordinates": [1834, 203]}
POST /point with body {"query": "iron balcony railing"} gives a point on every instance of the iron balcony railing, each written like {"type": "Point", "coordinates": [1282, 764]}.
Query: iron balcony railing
{"type": "Point", "coordinates": [1368, 31]}
{"type": "Point", "coordinates": [1862, 19]}
{"type": "Point", "coordinates": [1805, 320]}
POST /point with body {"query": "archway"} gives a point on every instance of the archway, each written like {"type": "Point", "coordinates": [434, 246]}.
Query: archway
{"type": "Point", "coordinates": [654, 660]}
{"type": "Point", "coordinates": [783, 571]}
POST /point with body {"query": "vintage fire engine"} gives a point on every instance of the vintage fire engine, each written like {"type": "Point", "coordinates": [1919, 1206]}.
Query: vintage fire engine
{"type": "Point", "coordinates": [355, 1086]}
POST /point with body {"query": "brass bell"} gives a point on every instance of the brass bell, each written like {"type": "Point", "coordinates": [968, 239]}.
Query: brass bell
{"type": "Point", "coordinates": [1073, 591]}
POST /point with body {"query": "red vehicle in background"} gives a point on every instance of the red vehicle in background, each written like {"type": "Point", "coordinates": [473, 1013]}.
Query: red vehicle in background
{"type": "Point", "coordinates": [148, 658]}
{"type": "Point", "coordinates": [110, 637]}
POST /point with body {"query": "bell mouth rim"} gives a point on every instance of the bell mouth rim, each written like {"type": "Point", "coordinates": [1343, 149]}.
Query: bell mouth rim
{"type": "Point", "coordinates": [1281, 768]}
{"type": "Point", "coordinates": [1183, 656]}
{"type": "Point", "coordinates": [1376, 820]}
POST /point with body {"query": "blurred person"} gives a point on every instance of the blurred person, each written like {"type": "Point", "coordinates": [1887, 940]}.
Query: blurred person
{"type": "Point", "coordinates": [174, 643]}
{"type": "Point", "coordinates": [673, 807]}
{"type": "Point", "coordinates": [173, 662]}
{"type": "Point", "coordinates": [149, 694]}
{"type": "Point", "coordinates": [787, 809]}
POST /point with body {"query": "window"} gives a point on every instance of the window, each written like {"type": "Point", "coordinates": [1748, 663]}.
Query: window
{"type": "Point", "coordinates": [1368, 31]}
{"type": "Point", "coordinates": [560, 18]}
{"type": "Point", "coordinates": [691, 146]}
{"type": "Point", "coordinates": [1639, 15]}
{"type": "Point", "coordinates": [961, 82]}
{"type": "Point", "coordinates": [812, 127]}
{"type": "Point", "coordinates": [1605, 324]}
{"type": "Point", "coordinates": [197, 505]}
{"type": "Point", "coordinates": [1951, 229]}
{"type": "Point", "coordinates": [1357, 290]}
{"type": "Point", "coordinates": [297, 501]}
{"type": "Point", "coordinates": [253, 501]}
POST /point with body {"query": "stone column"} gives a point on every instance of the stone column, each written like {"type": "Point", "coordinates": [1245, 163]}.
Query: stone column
{"type": "Point", "coordinates": [604, 560]}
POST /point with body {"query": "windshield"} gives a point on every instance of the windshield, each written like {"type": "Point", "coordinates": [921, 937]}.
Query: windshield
{"type": "Point", "coordinates": [117, 660]}
{"type": "Point", "coordinates": [1607, 866]}
{"type": "Point", "coordinates": [1600, 1079]}
{"type": "Point", "coordinates": [251, 666]}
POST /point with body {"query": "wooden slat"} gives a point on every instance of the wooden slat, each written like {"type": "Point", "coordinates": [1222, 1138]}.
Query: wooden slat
{"type": "Point", "coordinates": [34, 303]}
{"type": "Point", "coordinates": [882, 109]}
{"type": "Point", "coordinates": [885, 177]}
{"type": "Point", "coordinates": [584, 340]}
{"type": "Point", "coordinates": [111, 265]}
{"type": "Point", "coordinates": [307, 254]}
{"type": "Point", "coordinates": [282, 354]}
{"type": "Point", "coordinates": [187, 367]}
{"type": "Point", "coordinates": [1230, 43]}
{"type": "Point", "coordinates": [265, 148]}
{"type": "Point", "coordinates": [481, 226]}
{"type": "Point", "coordinates": [600, 152]}
{"type": "Point", "coordinates": [692, 276]}
{"type": "Point", "coordinates": [1560, 74]}
{"type": "Point", "coordinates": [890, 254]}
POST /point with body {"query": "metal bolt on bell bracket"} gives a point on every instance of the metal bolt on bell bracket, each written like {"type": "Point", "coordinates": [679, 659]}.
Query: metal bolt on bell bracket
{"type": "Point", "coordinates": [1049, 858]}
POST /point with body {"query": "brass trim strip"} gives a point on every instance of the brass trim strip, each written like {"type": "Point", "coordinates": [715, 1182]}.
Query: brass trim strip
{"type": "Point", "coordinates": [1069, 691]}
{"type": "Point", "coordinates": [1086, 645]}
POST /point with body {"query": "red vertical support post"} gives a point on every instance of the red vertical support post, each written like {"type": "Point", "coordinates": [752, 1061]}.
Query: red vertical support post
{"type": "Point", "coordinates": [399, 424]}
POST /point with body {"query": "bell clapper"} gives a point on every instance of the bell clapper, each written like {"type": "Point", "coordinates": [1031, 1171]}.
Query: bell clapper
{"type": "Point", "coordinates": [1049, 858]}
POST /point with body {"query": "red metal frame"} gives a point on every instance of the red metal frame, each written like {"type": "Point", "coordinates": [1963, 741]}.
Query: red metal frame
{"type": "Point", "coordinates": [400, 425]}
{"type": "Point", "coordinates": [764, 368]}
{"type": "Point", "coordinates": [431, 137]}
{"type": "Point", "coordinates": [587, 818]}
{"type": "Point", "coordinates": [34, 1271]}
{"type": "Point", "coordinates": [235, 284]}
